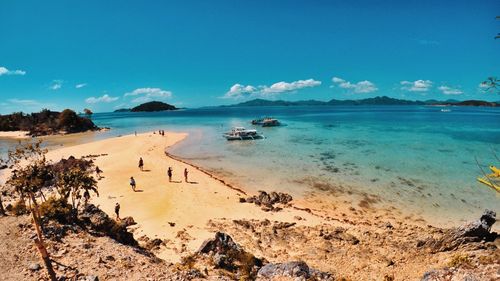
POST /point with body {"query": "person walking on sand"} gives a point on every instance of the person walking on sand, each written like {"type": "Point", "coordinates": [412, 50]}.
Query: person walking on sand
{"type": "Point", "coordinates": [141, 164]}
{"type": "Point", "coordinates": [117, 211]}
{"type": "Point", "coordinates": [186, 175]}
{"type": "Point", "coordinates": [169, 173]}
{"type": "Point", "coordinates": [132, 183]}
{"type": "Point", "coordinates": [135, 133]}
{"type": "Point", "coordinates": [98, 172]}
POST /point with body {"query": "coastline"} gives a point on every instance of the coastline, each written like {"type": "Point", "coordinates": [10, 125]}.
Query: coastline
{"type": "Point", "coordinates": [158, 204]}
{"type": "Point", "coordinates": [16, 135]}
{"type": "Point", "coordinates": [362, 242]}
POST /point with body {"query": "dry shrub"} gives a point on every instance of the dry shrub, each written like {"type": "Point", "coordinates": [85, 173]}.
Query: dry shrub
{"type": "Point", "coordinates": [56, 209]}
{"type": "Point", "coordinates": [19, 208]}
{"type": "Point", "coordinates": [459, 260]}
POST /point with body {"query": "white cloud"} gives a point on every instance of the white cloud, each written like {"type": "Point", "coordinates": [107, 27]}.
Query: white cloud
{"type": "Point", "coordinates": [56, 84]}
{"type": "Point", "coordinates": [450, 91]}
{"type": "Point", "coordinates": [416, 86]}
{"type": "Point", "coordinates": [240, 91]}
{"type": "Point", "coordinates": [5, 71]}
{"type": "Point", "coordinates": [148, 94]}
{"type": "Point", "coordinates": [361, 87]}
{"type": "Point", "coordinates": [282, 87]}
{"type": "Point", "coordinates": [104, 98]}
{"type": "Point", "coordinates": [142, 99]}
{"type": "Point", "coordinates": [151, 92]}
{"type": "Point", "coordinates": [78, 86]}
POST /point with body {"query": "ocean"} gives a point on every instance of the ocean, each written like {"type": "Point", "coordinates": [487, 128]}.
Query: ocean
{"type": "Point", "coordinates": [418, 159]}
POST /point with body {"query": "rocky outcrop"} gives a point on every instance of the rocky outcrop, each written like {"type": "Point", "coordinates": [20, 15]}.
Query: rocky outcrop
{"type": "Point", "coordinates": [296, 270]}
{"type": "Point", "coordinates": [225, 255]}
{"type": "Point", "coordinates": [98, 221]}
{"type": "Point", "coordinates": [476, 231]}
{"type": "Point", "coordinates": [472, 273]}
{"type": "Point", "coordinates": [268, 200]}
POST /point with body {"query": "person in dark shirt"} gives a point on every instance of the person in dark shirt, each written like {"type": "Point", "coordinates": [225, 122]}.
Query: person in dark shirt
{"type": "Point", "coordinates": [169, 173]}
{"type": "Point", "coordinates": [117, 211]}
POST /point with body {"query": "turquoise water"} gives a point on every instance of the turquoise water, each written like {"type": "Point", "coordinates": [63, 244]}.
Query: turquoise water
{"type": "Point", "coordinates": [416, 158]}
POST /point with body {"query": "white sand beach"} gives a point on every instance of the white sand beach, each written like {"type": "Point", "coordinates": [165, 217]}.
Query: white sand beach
{"type": "Point", "coordinates": [157, 202]}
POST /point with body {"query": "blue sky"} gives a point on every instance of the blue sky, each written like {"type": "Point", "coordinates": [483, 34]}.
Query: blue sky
{"type": "Point", "coordinates": [109, 54]}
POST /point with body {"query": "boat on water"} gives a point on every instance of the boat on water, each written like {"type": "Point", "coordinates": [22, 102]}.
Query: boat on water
{"type": "Point", "coordinates": [266, 122]}
{"type": "Point", "coordinates": [240, 133]}
{"type": "Point", "coordinates": [445, 110]}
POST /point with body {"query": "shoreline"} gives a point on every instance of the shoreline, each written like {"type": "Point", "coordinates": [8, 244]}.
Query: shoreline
{"type": "Point", "coordinates": [176, 212]}
{"type": "Point", "coordinates": [323, 204]}
{"type": "Point", "coordinates": [14, 135]}
{"type": "Point", "coordinates": [182, 215]}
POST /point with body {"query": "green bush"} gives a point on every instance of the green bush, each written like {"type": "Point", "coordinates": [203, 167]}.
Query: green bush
{"type": "Point", "coordinates": [56, 209]}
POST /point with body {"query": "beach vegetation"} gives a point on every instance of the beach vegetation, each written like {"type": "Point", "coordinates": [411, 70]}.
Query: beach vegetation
{"type": "Point", "coordinates": [32, 175]}
{"type": "Point", "coordinates": [19, 208]}
{"type": "Point", "coordinates": [56, 209]}
{"type": "Point", "coordinates": [88, 113]}
{"type": "Point", "coordinates": [46, 122]}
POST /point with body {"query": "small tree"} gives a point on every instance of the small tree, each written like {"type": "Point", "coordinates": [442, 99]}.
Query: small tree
{"type": "Point", "coordinates": [75, 184]}
{"type": "Point", "coordinates": [68, 119]}
{"type": "Point", "coordinates": [29, 175]}
{"type": "Point", "coordinates": [88, 112]}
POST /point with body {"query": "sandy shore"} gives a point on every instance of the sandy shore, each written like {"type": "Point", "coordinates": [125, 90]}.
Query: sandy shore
{"type": "Point", "coordinates": [15, 135]}
{"type": "Point", "coordinates": [157, 202]}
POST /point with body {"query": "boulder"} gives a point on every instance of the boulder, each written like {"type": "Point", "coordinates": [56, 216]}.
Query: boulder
{"type": "Point", "coordinates": [226, 255]}
{"type": "Point", "coordinates": [34, 266]}
{"type": "Point", "coordinates": [128, 221]}
{"type": "Point", "coordinates": [475, 231]}
{"type": "Point", "coordinates": [295, 270]}
{"type": "Point", "coordinates": [221, 244]}
{"type": "Point", "coordinates": [267, 200]}
{"type": "Point", "coordinates": [99, 221]}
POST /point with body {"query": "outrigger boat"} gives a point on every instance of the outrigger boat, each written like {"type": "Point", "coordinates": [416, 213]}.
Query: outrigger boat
{"type": "Point", "coordinates": [492, 180]}
{"type": "Point", "coordinates": [240, 133]}
{"type": "Point", "coordinates": [266, 122]}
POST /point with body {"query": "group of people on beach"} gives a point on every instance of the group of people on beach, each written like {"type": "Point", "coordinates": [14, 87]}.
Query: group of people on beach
{"type": "Point", "coordinates": [170, 173]}
{"type": "Point", "coordinates": [161, 133]}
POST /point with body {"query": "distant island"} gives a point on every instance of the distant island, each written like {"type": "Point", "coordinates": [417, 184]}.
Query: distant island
{"type": "Point", "coordinates": [469, 103]}
{"type": "Point", "coordinates": [384, 100]}
{"type": "Point", "coordinates": [149, 107]}
{"type": "Point", "coordinates": [47, 122]}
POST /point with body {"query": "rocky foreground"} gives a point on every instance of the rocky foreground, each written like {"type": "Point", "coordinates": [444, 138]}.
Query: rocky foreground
{"type": "Point", "coordinates": [99, 248]}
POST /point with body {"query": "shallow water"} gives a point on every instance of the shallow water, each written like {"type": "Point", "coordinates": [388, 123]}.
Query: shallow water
{"type": "Point", "coordinates": [416, 158]}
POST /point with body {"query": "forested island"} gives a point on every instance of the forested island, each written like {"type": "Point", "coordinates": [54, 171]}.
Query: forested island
{"type": "Point", "coordinates": [47, 122]}
{"type": "Point", "coordinates": [149, 107]}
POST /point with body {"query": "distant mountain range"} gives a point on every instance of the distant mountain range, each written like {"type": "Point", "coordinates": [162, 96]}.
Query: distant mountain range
{"type": "Point", "coordinates": [384, 100]}
{"type": "Point", "coordinates": [149, 107]}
